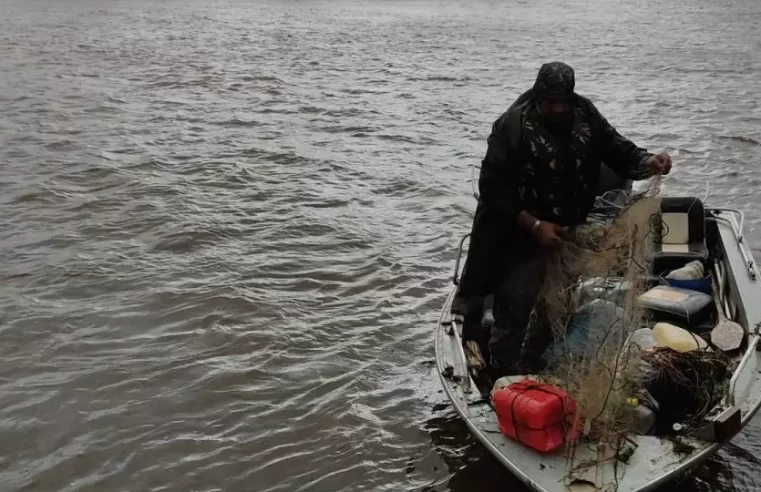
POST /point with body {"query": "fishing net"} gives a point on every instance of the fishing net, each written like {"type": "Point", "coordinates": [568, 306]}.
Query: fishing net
{"type": "Point", "coordinates": [589, 358]}
{"type": "Point", "coordinates": [686, 385]}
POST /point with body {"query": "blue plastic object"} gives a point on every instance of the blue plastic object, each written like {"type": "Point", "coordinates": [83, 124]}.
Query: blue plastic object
{"type": "Point", "coordinates": [704, 284]}
{"type": "Point", "coordinates": [588, 329]}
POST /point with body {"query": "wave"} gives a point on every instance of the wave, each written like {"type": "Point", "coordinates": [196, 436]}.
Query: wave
{"type": "Point", "coordinates": [740, 138]}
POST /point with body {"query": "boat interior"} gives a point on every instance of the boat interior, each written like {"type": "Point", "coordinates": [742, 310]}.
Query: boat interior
{"type": "Point", "coordinates": [685, 232]}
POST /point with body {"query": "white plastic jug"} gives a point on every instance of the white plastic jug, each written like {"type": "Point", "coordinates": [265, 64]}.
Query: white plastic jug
{"type": "Point", "coordinates": [668, 335]}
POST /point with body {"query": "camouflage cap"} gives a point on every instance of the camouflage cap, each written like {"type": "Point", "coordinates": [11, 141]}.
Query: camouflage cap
{"type": "Point", "coordinates": [555, 79]}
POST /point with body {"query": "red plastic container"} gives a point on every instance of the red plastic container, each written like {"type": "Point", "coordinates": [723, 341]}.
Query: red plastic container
{"type": "Point", "coordinates": [540, 416]}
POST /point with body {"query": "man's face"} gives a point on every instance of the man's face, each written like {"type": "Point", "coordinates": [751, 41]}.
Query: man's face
{"type": "Point", "coordinates": [555, 109]}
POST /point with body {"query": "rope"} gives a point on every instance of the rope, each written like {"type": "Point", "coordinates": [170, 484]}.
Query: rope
{"type": "Point", "coordinates": [541, 388]}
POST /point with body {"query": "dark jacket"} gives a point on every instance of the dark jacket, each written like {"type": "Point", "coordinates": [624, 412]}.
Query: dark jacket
{"type": "Point", "coordinates": [510, 166]}
{"type": "Point", "coordinates": [523, 171]}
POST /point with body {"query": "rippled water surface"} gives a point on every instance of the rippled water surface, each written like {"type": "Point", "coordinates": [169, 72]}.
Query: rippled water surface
{"type": "Point", "coordinates": [226, 227]}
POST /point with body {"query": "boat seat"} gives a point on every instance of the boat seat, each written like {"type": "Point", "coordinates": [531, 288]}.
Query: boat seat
{"type": "Point", "coordinates": [682, 307]}
{"type": "Point", "coordinates": [680, 237]}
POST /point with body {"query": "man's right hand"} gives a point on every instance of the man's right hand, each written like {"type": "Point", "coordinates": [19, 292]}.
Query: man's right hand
{"type": "Point", "coordinates": [550, 235]}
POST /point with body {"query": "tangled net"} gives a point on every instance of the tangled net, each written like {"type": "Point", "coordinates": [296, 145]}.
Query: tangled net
{"type": "Point", "coordinates": [686, 385]}
{"type": "Point", "coordinates": [600, 378]}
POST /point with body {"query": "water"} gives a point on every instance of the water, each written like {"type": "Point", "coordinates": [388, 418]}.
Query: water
{"type": "Point", "coordinates": [227, 227]}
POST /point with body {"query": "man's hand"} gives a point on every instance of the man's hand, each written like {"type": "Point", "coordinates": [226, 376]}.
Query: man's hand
{"type": "Point", "coordinates": [550, 235]}
{"type": "Point", "coordinates": [547, 234]}
{"type": "Point", "coordinates": [659, 164]}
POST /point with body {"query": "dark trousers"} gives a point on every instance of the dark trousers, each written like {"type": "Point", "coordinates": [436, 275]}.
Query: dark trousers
{"type": "Point", "coordinates": [520, 333]}
{"type": "Point", "coordinates": [506, 261]}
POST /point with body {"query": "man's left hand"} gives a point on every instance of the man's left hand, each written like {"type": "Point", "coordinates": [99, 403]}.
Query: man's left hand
{"type": "Point", "coordinates": [659, 164]}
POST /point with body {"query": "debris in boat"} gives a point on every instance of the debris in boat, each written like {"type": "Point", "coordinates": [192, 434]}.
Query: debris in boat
{"type": "Point", "coordinates": [448, 373]}
{"type": "Point", "coordinates": [448, 327]}
{"type": "Point", "coordinates": [704, 432]}
{"type": "Point", "coordinates": [625, 453]}
{"type": "Point", "coordinates": [477, 368]}
{"type": "Point", "coordinates": [473, 354]}
{"type": "Point", "coordinates": [686, 385]}
{"type": "Point", "coordinates": [681, 448]}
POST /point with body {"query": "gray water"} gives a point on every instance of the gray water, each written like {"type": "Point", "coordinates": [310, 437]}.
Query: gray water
{"type": "Point", "coordinates": [226, 227]}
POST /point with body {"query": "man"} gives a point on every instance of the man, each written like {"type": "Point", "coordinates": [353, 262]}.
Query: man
{"type": "Point", "coordinates": [540, 176]}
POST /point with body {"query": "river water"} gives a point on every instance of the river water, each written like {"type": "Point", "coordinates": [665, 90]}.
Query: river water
{"type": "Point", "coordinates": [226, 226]}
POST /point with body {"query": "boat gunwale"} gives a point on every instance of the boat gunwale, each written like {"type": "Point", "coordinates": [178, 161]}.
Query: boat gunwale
{"type": "Point", "coordinates": [448, 388]}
